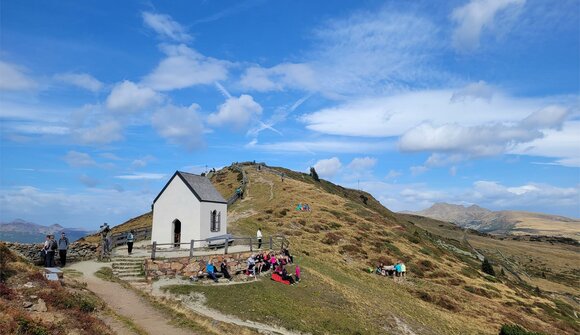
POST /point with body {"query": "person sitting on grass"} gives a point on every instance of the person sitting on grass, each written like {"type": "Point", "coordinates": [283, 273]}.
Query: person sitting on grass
{"type": "Point", "coordinates": [210, 269]}
{"type": "Point", "coordinates": [259, 264]}
{"type": "Point", "coordinates": [251, 270]}
{"type": "Point", "coordinates": [297, 273]}
{"type": "Point", "coordinates": [286, 252]}
{"type": "Point", "coordinates": [273, 261]}
{"type": "Point", "coordinates": [266, 263]}
{"type": "Point", "coordinates": [224, 270]}
{"type": "Point", "coordinates": [286, 276]}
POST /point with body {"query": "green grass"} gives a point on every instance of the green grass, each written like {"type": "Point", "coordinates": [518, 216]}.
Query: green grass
{"type": "Point", "coordinates": [308, 306]}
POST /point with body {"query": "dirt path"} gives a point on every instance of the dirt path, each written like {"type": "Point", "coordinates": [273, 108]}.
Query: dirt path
{"type": "Point", "coordinates": [126, 302]}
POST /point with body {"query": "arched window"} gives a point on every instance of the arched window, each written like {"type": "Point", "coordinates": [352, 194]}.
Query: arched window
{"type": "Point", "coordinates": [215, 220]}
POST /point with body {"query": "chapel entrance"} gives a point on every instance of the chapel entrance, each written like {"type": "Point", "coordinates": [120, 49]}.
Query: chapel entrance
{"type": "Point", "coordinates": [176, 233]}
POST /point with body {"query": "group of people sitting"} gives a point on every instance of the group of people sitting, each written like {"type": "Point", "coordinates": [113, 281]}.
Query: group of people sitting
{"type": "Point", "coordinates": [263, 262]}
{"type": "Point", "coordinates": [256, 265]}
{"type": "Point", "coordinates": [303, 208]}
{"type": "Point", "coordinates": [397, 270]}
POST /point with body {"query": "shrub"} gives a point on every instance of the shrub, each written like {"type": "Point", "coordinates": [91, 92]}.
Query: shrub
{"type": "Point", "coordinates": [515, 330]}
{"type": "Point", "coordinates": [331, 238]}
{"type": "Point", "coordinates": [487, 268]}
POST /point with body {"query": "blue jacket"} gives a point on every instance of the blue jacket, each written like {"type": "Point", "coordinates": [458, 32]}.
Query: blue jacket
{"type": "Point", "coordinates": [209, 268]}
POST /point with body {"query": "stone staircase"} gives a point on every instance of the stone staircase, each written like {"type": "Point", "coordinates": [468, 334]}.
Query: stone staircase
{"type": "Point", "coordinates": [130, 269]}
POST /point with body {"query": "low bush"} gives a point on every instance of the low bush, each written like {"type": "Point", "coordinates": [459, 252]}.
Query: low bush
{"type": "Point", "coordinates": [331, 238]}
{"type": "Point", "coordinates": [515, 330]}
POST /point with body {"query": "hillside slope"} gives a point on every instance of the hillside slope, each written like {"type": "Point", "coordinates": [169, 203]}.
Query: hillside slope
{"type": "Point", "coordinates": [503, 222]}
{"type": "Point", "coordinates": [348, 231]}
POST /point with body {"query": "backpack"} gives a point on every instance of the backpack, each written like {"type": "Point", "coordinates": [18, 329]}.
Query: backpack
{"type": "Point", "coordinates": [53, 245]}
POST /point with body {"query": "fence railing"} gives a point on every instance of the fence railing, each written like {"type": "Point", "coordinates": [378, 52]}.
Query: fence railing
{"type": "Point", "coordinates": [138, 234]}
{"type": "Point", "coordinates": [230, 244]}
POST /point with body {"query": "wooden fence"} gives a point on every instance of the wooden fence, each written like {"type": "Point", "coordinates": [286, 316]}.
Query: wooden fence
{"type": "Point", "coordinates": [275, 242]}
{"type": "Point", "coordinates": [118, 239]}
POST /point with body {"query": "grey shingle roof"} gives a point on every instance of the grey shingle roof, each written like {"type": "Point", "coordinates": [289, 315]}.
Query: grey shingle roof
{"type": "Point", "coordinates": [201, 187]}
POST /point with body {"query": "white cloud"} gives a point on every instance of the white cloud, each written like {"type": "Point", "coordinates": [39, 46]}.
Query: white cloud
{"type": "Point", "coordinates": [362, 163]}
{"type": "Point", "coordinates": [142, 176]}
{"type": "Point", "coordinates": [184, 67]}
{"type": "Point", "coordinates": [386, 116]}
{"type": "Point", "coordinates": [106, 131]}
{"type": "Point", "coordinates": [280, 76]}
{"type": "Point", "coordinates": [142, 162]}
{"type": "Point", "coordinates": [37, 205]}
{"type": "Point", "coordinates": [563, 145]}
{"type": "Point", "coordinates": [236, 112]}
{"type": "Point", "coordinates": [41, 129]}
{"type": "Point", "coordinates": [478, 90]}
{"type": "Point", "coordinates": [364, 52]}
{"type": "Point", "coordinates": [88, 181]}
{"type": "Point", "coordinates": [130, 97]}
{"type": "Point", "coordinates": [417, 170]}
{"type": "Point", "coordinates": [82, 80]}
{"type": "Point", "coordinates": [166, 27]}
{"type": "Point", "coordinates": [327, 168]}
{"type": "Point", "coordinates": [475, 16]}
{"type": "Point", "coordinates": [393, 174]}
{"type": "Point", "coordinates": [14, 78]}
{"type": "Point", "coordinates": [181, 125]}
{"type": "Point", "coordinates": [79, 159]}
{"type": "Point", "coordinates": [481, 140]}
{"type": "Point", "coordinates": [323, 145]}
{"type": "Point", "coordinates": [536, 197]}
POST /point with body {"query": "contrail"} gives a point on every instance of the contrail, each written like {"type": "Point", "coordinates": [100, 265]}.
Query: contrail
{"type": "Point", "coordinates": [223, 90]}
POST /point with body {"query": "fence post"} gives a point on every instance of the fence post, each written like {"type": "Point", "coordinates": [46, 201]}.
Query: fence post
{"type": "Point", "coordinates": [153, 249]}
{"type": "Point", "coordinates": [271, 243]}
{"type": "Point", "coordinates": [251, 249]}
{"type": "Point", "coordinates": [226, 246]}
{"type": "Point", "coordinates": [191, 248]}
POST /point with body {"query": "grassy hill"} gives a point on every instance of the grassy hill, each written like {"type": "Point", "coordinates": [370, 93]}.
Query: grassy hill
{"type": "Point", "coordinates": [503, 222]}
{"type": "Point", "coordinates": [348, 231]}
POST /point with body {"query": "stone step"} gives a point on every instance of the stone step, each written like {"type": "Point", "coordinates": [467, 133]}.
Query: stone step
{"type": "Point", "coordinates": [129, 274]}
{"type": "Point", "coordinates": [127, 263]}
{"type": "Point", "coordinates": [127, 266]}
{"type": "Point", "coordinates": [133, 278]}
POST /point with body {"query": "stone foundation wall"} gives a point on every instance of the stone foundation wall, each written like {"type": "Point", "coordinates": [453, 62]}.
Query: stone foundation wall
{"type": "Point", "coordinates": [184, 266]}
{"type": "Point", "coordinates": [77, 251]}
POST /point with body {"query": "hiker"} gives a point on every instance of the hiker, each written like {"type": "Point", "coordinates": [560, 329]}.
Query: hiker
{"type": "Point", "coordinates": [44, 251]}
{"type": "Point", "coordinates": [306, 207]}
{"type": "Point", "coordinates": [210, 269]}
{"type": "Point", "coordinates": [299, 207]}
{"type": "Point", "coordinates": [53, 246]}
{"type": "Point", "coordinates": [403, 270]}
{"type": "Point", "coordinates": [259, 237]}
{"type": "Point", "coordinates": [63, 244]}
{"type": "Point", "coordinates": [398, 269]}
{"type": "Point", "coordinates": [224, 270]}
{"type": "Point", "coordinates": [130, 240]}
{"type": "Point", "coordinates": [297, 273]}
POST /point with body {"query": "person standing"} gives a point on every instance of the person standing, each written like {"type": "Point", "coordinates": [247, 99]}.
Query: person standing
{"type": "Point", "coordinates": [53, 246]}
{"type": "Point", "coordinates": [259, 236]}
{"type": "Point", "coordinates": [130, 240]}
{"type": "Point", "coordinates": [45, 249]}
{"type": "Point", "coordinates": [63, 244]}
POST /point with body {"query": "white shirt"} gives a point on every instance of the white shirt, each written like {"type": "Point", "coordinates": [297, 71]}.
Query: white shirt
{"type": "Point", "coordinates": [259, 234]}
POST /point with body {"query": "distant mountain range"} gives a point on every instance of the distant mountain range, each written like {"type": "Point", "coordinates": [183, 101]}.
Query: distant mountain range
{"type": "Point", "coordinates": [503, 222]}
{"type": "Point", "coordinates": [27, 232]}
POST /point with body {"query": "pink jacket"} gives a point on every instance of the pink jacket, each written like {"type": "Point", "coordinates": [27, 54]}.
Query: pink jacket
{"type": "Point", "coordinates": [297, 271]}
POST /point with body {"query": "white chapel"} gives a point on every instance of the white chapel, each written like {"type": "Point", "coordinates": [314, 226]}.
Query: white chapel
{"type": "Point", "coordinates": [188, 208]}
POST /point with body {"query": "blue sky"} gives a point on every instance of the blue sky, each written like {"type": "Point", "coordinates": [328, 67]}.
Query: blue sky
{"type": "Point", "coordinates": [471, 101]}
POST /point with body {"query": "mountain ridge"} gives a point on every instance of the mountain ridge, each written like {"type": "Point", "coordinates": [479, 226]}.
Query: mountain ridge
{"type": "Point", "coordinates": [23, 231]}
{"type": "Point", "coordinates": [510, 222]}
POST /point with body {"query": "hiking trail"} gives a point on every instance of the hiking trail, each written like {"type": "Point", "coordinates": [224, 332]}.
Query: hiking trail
{"type": "Point", "coordinates": [125, 302]}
